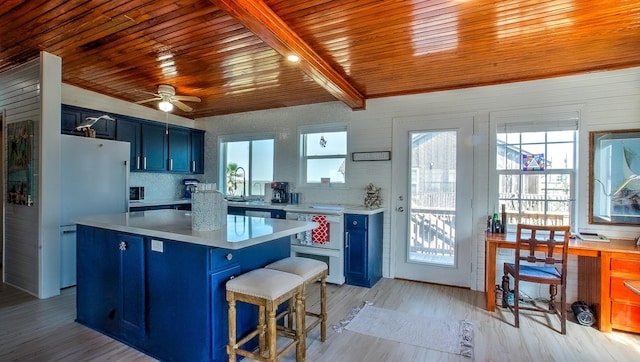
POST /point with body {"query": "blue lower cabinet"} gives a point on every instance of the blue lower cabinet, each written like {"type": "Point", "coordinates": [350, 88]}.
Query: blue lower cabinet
{"type": "Point", "coordinates": [111, 289]}
{"type": "Point", "coordinates": [163, 297]}
{"type": "Point", "coordinates": [363, 249]}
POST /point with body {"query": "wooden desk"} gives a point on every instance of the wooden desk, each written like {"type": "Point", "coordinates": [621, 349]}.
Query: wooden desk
{"type": "Point", "coordinates": [594, 262]}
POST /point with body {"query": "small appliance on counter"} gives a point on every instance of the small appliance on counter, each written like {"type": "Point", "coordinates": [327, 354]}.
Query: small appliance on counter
{"type": "Point", "coordinates": [136, 193]}
{"type": "Point", "coordinates": [190, 185]}
{"type": "Point", "coordinates": [280, 192]}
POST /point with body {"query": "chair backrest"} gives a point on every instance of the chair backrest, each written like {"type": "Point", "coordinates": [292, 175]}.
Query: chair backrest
{"type": "Point", "coordinates": [553, 240]}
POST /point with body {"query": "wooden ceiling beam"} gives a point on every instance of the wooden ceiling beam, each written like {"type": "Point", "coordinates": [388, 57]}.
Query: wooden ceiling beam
{"type": "Point", "coordinates": [268, 26]}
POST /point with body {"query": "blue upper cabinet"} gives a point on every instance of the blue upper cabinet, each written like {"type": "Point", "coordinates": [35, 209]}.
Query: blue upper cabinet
{"type": "Point", "coordinates": [131, 131]}
{"type": "Point", "coordinates": [74, 116]}
{"type": "Point", "coordinates": [197, 151]}
{"type": "Point", "coordinates": [155, 148]}
{"type": "Point", "coordinates": [179, 150]}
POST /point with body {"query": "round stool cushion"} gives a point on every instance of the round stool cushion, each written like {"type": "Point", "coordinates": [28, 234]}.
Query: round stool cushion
{"type": "Point", "coordinates": [303, 267]}
{"type": "Point", "coordinates": [264, 283]}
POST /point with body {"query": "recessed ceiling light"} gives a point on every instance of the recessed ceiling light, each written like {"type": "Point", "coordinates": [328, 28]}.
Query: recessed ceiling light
{"type": "Point", "coordinates": [293, 58]}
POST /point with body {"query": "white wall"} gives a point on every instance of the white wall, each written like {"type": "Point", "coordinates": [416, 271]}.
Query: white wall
{"type": "Point", "coordinates": [605, 100]}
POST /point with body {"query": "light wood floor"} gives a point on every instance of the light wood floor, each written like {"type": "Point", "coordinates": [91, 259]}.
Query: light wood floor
{"type": "Point", "coordinates": [44, 330]}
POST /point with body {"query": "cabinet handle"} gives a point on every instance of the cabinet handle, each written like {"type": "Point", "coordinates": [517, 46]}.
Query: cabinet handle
{"type": "Point", "coordinates": [144, 163]}
{"type": "Point", "coordinates": [346, 240]}
{"type": "Point", "coordinates": [171, 164]}
{"type": "Point", "coordinates": [229, 256]}
{"type": "Point", "coordinates": [123, 246]}
{"type": "Point", "coordinates": [138, 163]}
{"type": "Point", "coordinates": [193, 166]}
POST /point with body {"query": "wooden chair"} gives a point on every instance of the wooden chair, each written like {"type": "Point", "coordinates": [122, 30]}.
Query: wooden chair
{"type": "Point", "coordinates": [554, 242]}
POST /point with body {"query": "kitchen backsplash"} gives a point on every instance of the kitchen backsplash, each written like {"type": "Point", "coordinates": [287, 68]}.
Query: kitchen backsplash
{"type": "Point", "coordinates": [159, 186]}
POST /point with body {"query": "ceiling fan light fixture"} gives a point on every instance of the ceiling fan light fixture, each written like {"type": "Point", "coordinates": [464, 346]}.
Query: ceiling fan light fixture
{"type": "Point", "coordinates": [165, 106]}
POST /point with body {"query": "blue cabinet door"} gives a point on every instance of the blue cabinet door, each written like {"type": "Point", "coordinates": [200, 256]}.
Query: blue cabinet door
{"type": "Point", "coordinates": [179, 150]}
{"type": "Point", "coordinates": [73, 116]}
{"type": "Point", "coordinates": [154, 148]}
{"type": "Point", "coordinates": [363, 249]}
{"type": "Point", "coordinates": [131, 131]}
{"type": "Point", "coordinates": [132, 285]}
{"type": "Point", "coordinates": [111, 289]}
{"type": "Point", "coordinates": [97, 284]}
{"type": "Point", "coordinates": [197, 152]}
{"type": "Point", "coordinates": [219, 311]}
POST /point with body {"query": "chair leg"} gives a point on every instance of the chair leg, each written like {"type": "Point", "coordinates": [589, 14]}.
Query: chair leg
{"type": "Point", "coordinates": [323, 308]}
{"type": "Point", "coordinates": [516, 302]}
{"type": "Point", "coordinates": [553, 291]}
{"type": "Point", "coordinates": [271, 336]}
{"type": "Point", "coordinates": [301, 333]}
{"type": "Point", "coordinates": [505, 290]}
{"type": "Point", "coordinates": [563, 311]}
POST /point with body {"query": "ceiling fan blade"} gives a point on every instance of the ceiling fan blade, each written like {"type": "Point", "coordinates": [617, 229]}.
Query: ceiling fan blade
{"type": "Point", "coordinates": [182, 106]}
{"type": "Point", "coordinates": [149, 100]}
{"type": "Point", "coordinates": [187, 98]}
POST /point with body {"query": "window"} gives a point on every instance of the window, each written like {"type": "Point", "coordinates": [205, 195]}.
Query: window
{"type": "Point", "coordinates": [536, 173]}
{"type": "Point", "coordinates": [246, 164]}
{"type": "Point", "coordinates": [323, 154]}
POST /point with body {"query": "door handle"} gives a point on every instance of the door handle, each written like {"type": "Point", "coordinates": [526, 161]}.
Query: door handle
{"type": "Point", "coordinates": [346, 240]}
{"type": "Point", "coordinates": [400, 209]}
{"type": "Point", "coordinates": [193, 166]}
{"type": "Point", "coordinates": [138, 163]}
{"type": "Point", "coordinates": [123, 246]}
{"type": "Point", "coordinates": [144, 163]}
{"type": "Point", "coordinates": [171, 164]}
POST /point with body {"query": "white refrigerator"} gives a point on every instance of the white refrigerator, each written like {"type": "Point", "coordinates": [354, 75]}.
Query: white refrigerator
{"type": "Point", "coordinates": [94, 177]}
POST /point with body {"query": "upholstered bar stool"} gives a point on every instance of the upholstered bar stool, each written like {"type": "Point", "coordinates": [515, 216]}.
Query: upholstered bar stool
{"type": "Point", "coordinates": [267, 289]}
{"type": "Point", "coordinates": [311, 271]}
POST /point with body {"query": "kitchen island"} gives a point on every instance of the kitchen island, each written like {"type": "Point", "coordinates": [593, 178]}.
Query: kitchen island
{"type": "Point", "coordinates": [150, 281]}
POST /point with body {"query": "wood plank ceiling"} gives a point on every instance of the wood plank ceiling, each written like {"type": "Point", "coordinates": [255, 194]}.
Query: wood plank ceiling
{"type": "Point", "coordinates": [231, 53]}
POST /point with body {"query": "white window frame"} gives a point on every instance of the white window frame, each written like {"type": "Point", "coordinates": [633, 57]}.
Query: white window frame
{"type": "Point", "coordinates": [222, 156]}
{"type": "Point", "coordinates": [561, 118]}
{"type": "Point", "coordinates": [302, 166]}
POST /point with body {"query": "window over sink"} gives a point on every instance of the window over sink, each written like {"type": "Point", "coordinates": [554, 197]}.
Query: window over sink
{"type": "Point", "coordinates": [246, 164]}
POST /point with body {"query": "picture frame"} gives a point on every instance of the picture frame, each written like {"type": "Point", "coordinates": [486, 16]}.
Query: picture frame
{"type": "Point", "coordinates": [20, 164]}
{"type": "Point", "coordinates": [614, 177]}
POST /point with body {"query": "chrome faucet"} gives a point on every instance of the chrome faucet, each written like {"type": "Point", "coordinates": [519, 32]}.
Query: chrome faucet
{"type": "Point", "coordinates": [244, 181]}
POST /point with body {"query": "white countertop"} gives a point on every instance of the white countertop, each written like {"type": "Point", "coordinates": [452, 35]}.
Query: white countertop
{"type": "Point", "coordinates": [309, 208]}
{"type": "Point", "coordinates": [144, 203]}
{"type": "Point", "coordinates": [240, 231]}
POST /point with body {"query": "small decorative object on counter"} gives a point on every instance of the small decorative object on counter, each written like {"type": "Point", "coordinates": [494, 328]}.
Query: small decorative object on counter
{"type": "Point", "coordinates": [372, 200]}
{"type": "Point", "coordinates": [208, 208]}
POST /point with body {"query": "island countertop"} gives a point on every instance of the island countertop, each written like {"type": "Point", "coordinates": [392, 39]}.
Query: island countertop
{"type": "Point", "coordinates": [240, 231]}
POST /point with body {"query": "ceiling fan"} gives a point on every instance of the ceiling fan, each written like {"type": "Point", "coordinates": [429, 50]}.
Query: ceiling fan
{"type": "Point", "coordinates": [168, 98]}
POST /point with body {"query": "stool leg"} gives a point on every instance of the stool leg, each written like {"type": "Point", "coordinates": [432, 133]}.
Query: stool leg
{"type": "Point", "coordinates": [261, 328]}
{"type": "Point", "coordinates": [271, 328]}
{"type": "Point", "coordinates": [323, 308]}
{"type": "Point", "coordinates": [231, 347]}
{"type": "Point", "coordinates": [301, 334]}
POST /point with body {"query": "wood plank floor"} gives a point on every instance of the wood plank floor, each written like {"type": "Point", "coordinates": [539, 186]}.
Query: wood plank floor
{"type": "Point", "coordinates": [44, 330]}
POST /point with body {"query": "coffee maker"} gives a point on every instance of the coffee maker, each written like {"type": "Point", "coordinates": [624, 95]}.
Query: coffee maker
{"type": "Point", "coordinates": [280, 192]}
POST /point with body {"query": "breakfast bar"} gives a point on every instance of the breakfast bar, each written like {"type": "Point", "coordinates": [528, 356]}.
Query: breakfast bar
{"type": "Point", "coordinates": [147, 279]}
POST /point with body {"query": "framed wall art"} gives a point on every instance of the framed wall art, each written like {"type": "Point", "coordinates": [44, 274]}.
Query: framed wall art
{"type": "Point", "coordinates": [20, 163]}
{"type": "Point", "coordinates": [614, 177]}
